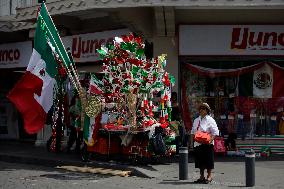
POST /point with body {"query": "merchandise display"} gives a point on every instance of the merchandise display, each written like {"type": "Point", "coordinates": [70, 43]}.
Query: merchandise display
{"type": "Point", "coordinates": [124, 94]}
{"type": "Point", "coordinates": [247, 101]}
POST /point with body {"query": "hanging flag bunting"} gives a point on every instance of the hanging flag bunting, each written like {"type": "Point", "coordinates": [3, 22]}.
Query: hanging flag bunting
{"type": "Point", "coordinates": [262, 83]}
{"type": "Point", "coordinates": [263, 80]}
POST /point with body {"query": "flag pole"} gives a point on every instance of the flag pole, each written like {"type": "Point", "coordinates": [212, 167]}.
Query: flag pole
{"type": "Point", "coordinates": [71, 62]}
{"type": "Point", "coordinates": [68, 71]}
{"type": "Point", "coordinates": [66, 65]}
{"type": "Point", "coordinates": [76, 81]}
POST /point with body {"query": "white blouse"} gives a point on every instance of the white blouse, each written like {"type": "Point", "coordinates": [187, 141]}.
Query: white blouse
{"type": "Point", "coordinates": [207, 124]}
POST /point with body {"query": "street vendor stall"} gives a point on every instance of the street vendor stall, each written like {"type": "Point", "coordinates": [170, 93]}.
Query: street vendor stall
{"type": "Point", "coordinates": [116, 114]}
{"type": "Point", "coordinates": [122, 115]}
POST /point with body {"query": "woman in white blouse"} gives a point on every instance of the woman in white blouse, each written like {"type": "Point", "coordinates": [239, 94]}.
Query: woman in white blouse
{"type": "Point", "coordinates": [204, 153]}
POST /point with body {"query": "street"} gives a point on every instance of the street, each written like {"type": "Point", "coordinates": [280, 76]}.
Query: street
{"type": "Point", "coordinates": [269, 174]}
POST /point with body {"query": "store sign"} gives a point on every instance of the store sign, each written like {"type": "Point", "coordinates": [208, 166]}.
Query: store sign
{"type": "Point", "coordinates": [15, 55]}
{"type": "Point", "coordinates": [84, 47]}
{"type": "Point", "coordinates": [231, 40]}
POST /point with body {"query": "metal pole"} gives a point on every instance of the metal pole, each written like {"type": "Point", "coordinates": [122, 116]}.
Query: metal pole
{"type": "Point", "coordinates": [183, 163]}
{"type": "Point", "coordinates": [250, 168]}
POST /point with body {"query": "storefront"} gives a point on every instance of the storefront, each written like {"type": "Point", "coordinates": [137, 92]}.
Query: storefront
{"type": "Point", "coordinates": [238, 70]}
{"type": "Point", "coordinates": [14, 57]}
{"type": "Point", "coordinates": [84, 47]}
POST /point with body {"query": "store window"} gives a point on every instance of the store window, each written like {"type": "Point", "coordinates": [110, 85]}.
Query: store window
{"type": "Point", "coordinates": [246, 97]}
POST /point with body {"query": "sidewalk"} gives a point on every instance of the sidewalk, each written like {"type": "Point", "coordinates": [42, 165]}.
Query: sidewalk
{"type": "Point", "coordinates": [228, 172]}
{"type": "Point", "coordinates": [16, 152]}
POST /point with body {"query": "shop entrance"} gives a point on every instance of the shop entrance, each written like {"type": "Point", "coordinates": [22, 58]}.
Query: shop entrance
{"type": "Point", "coordinates": [245, 97]}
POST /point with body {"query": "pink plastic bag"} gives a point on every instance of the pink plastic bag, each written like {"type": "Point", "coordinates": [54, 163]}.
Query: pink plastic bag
{"type": "Point", "coordinates": [219, 145]}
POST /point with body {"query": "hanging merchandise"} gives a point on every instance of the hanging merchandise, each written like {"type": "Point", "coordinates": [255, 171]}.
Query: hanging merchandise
{"type": "Point", "coordinates": [131, 81]}
{"type": "Point", "coordinates": [265, 151]}
{"type": "Point", "coordinates": [246, 97]}
{"type": "Point", "coordinates": [59, 121]}
{"type": "Point", "coordinates": [124, 98]}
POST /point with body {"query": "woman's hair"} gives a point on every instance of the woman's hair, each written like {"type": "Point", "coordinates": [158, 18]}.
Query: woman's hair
{"type": "Point", "coordinates": [206, 106]}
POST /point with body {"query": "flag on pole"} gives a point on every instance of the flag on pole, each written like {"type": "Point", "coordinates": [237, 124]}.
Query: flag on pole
{"type": "Point", "coordinates": [95, 85]}
{"type": "Point", "coordinates": [91, 129]}
{"type": "Point", "coordinates": [33, 94]}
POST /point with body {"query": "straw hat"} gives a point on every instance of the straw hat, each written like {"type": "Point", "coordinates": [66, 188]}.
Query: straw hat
{"type": "Point", "coordinates": [206, 106]}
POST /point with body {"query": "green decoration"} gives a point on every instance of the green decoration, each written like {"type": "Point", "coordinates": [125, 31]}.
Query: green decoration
{"type": "Point", "coordinates": [144, 73]}
{"type": "Point", "coordinates": [128, 46]}
{"type": "Point", "coordinates": [139, 53]}
{"type": "Point", "coordinates": [135, 69]}
{"type": "Point", "coordinates": [102, 53]}
{"type": "Point", "coordinates": [172, 79]}
{"type": "Point", "coordinates": [110, 46]}
{"type": "Point", "coordinates": [127, 72]}
{"type": "Point", "coordinates": [169, 113]}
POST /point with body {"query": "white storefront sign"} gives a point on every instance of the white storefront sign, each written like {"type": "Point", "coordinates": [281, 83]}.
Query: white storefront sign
{"type": "Point", "coordinates": [84, 46]}
{"type": "Point", "coordinates": [15, 55]}
{"type": "Point", "coordinates": [231, 40]}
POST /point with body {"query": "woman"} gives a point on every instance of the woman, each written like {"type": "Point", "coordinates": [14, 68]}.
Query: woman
{"type": "Point", "coordinates": [204, 153]}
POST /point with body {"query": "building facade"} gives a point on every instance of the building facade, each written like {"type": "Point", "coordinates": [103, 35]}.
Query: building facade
{"type": "Point", "coordinates": [183, 29]}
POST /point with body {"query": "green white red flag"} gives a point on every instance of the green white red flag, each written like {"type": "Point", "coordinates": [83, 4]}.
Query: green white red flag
{"type": "Point", "coordinates": [95, 85]}
{"type": "Point", "coordinates": [33, 94]}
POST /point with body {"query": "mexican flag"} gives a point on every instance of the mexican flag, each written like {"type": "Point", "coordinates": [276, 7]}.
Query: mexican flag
{"type": "Point", "coordinates": [91, 129]}
{"type": "Point", "coordinates": [264, 82]}
{"type": "Point", "coordinates": [95, 85]}
{"type": "Point", "coordinates": [33, 94]}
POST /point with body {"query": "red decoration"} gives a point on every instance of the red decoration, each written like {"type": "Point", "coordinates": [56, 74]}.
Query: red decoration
{"type": "Point", "coordinates": [164, 125]}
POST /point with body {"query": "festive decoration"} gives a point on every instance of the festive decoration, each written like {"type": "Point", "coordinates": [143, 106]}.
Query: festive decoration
{"type": "Point", "coordinates": [94, 107]}
{"type": "Point", "coordinates": [130, 81]}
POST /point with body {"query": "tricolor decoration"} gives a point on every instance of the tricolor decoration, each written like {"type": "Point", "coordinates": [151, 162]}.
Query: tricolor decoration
{"type": "Point", "coordinates": [127, 71]}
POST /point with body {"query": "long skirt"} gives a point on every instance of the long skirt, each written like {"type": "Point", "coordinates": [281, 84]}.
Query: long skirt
{"type": "Point", "coordinates": [204, 156]}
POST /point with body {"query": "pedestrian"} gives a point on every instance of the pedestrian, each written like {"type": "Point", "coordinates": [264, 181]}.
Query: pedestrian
{"type": "Point", "coordinates": [76, 135]}
{"type": "Point", "coordinates": [181, 137]}
{"type": "Point", "coordinates": [204, 153]}
{"type": "Point", "coordinates": [175, 107]}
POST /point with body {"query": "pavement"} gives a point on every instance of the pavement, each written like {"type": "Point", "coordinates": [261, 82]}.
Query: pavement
{"type": "Point", "coordinates": [228, 172]}
{"type": "Point", "coordinates": [28, 153]}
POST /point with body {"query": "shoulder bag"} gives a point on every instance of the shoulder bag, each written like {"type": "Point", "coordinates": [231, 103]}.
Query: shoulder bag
{"type": "Point", "coordinates": [201, 137]}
